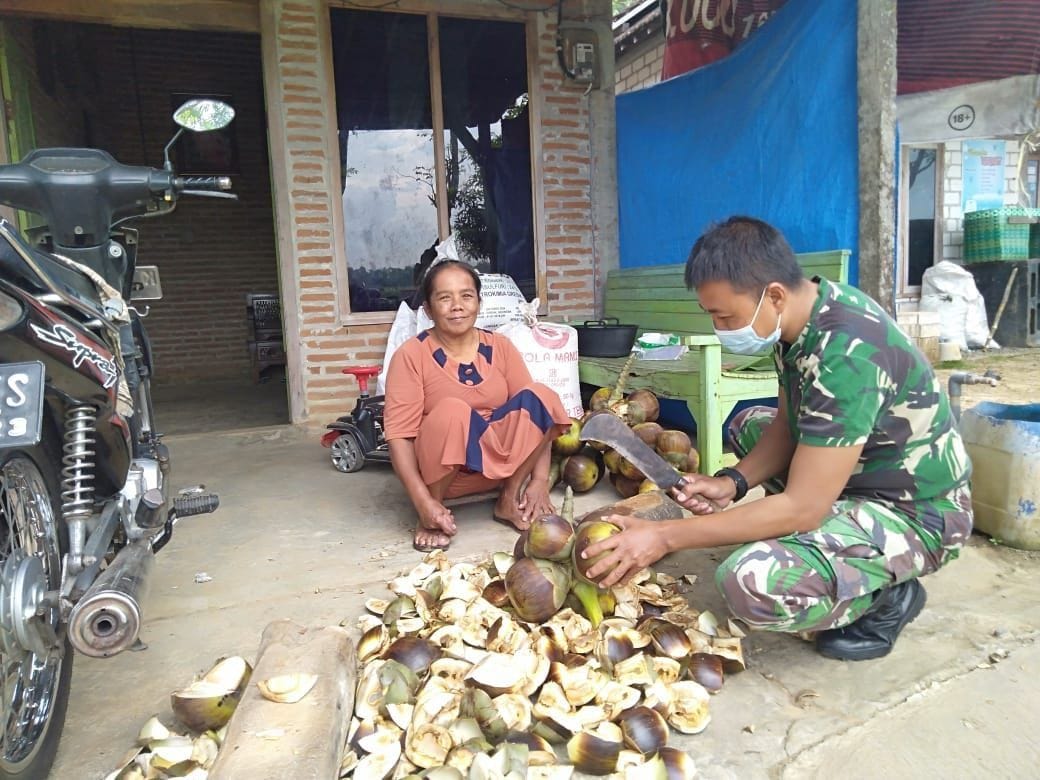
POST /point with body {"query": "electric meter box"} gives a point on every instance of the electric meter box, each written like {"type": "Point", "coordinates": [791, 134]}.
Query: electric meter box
{"type": "Point", "coordinates": [581, 54]}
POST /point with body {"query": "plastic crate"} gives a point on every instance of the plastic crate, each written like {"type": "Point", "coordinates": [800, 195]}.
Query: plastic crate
{"type": "Point", "coordinates": [1034, 240]}
{"type": "Point", "coordinates": [988, 235]}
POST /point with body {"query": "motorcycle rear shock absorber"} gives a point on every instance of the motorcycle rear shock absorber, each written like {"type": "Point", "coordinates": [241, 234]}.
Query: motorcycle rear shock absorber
{"type": "Point", "coordinates": [77, 478]}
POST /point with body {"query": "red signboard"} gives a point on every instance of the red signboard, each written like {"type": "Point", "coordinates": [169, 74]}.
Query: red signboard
{"type": "Point", "coordinates": [702, 31]}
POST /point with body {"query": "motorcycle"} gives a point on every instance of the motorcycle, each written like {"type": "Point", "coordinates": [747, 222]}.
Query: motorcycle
{"type": "Point", "coordinates": [84, 497]}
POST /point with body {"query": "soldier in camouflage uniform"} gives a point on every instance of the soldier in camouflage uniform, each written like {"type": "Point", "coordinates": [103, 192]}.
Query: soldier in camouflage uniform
{"type": "Point", "coordinates": [866, 476]}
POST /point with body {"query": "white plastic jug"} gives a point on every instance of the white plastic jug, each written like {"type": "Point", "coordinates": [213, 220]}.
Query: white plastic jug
{"type": "Point", "coordinates": [1003, 441]}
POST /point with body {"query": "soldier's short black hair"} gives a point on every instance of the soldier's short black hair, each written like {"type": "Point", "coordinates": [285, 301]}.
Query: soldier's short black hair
{"type": "Point", "coordinates": [435, 270]}
{"type": "Point", "coordinates": [746, 252]}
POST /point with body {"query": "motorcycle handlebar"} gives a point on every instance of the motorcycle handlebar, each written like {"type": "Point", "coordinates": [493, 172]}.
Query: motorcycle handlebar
{"type": "Point", "coordinates": [207, 183]}
{"type": "Point", "coordinates": [81, 193]}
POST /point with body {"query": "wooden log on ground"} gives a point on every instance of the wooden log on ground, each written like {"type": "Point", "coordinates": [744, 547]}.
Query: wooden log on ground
{"type": "Point", "coordinates": [268, 740]}
{"type": "Point", "coordinates": [655, 505]}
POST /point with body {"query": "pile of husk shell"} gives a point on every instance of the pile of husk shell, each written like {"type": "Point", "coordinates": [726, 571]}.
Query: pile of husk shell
{"type": "Point", "coordinates": [454, 685]}
{"type": "Point", "coordinates": [202, 710]}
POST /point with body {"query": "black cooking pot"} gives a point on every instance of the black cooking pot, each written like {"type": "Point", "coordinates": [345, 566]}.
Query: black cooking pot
{"type": "Point", "coordinates": [605, 338]}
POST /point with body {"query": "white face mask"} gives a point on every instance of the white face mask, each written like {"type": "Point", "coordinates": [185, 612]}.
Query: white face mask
{"type": "Point", "coordinates": [744, 341]}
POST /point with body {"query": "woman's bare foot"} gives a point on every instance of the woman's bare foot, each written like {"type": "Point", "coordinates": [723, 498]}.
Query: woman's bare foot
{"type": "Point", "coordinates": [508, 511]}
{"type": "Point", "coordinates": [435, 528]}
{"type": "Point", "coordinates": [427, 539]}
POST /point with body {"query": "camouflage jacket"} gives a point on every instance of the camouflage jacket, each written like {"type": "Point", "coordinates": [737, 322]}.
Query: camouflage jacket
{"type": "Point", "coordinates": [853, 377]}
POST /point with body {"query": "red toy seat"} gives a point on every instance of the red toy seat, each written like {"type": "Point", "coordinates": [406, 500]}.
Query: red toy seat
{"type": "Point", "coordinates": [362, 374]}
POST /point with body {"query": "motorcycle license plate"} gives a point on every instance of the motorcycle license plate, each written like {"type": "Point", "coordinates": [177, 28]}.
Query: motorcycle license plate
{"type": "Point", "coordinates": [21, 404]}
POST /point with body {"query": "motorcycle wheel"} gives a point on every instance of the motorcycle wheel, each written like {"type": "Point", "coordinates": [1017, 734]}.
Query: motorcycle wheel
{"type": "Point", "coordinates": [347, 456]}
{"type": "Point", "coordinates": [35, 657]}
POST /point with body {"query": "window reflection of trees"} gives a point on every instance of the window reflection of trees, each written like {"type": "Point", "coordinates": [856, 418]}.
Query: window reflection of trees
{"type": "Point", "coordinates": [393, 191]}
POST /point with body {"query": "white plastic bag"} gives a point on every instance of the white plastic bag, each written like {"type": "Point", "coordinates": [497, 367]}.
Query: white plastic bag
{"type": "Point", "coordinates": [402, 330]}
{"type": "Point", "coordinates": [949, 290]}
{"type": "Point", "coordinates": [550, 352]}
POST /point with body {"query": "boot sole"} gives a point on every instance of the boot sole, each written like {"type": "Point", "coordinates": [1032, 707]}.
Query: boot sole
{"type": "Point", "coordinates": [866, 655]}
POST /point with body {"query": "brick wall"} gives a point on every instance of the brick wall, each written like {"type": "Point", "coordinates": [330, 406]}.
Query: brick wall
{"type": "Point", "coordinates": [210, 253]}
{"type": "Point", "coordinates": [296, 58]}
{"type": "Point", "coordinates": [61, 99]}
{"type": "Point", "coordinates": [640, 66]}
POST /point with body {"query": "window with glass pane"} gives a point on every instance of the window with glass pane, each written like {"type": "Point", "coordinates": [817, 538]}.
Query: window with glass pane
{"type": "Point", "coordinates": [488, 145]}
{"type": "Point", "coordinates": [392, 189]}
{"type": "Point", "coordinates": [921, 232]}
{"type": "Point", "coordinates": [386, 152]}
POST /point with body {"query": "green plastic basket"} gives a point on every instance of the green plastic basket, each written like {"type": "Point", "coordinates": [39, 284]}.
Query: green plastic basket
{"type": "Point", "coordinates": [989, 236]}
{"type": "Point", "coordinates": [1034, 240]}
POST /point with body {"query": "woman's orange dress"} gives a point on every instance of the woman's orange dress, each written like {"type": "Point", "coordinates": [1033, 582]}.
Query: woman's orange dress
{"type": "Point", "coordinates": [485, 417]}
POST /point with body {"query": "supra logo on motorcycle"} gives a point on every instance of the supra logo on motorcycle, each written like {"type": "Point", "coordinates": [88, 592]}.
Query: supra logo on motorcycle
{"type": "Point", "coordinates": [61, 336]}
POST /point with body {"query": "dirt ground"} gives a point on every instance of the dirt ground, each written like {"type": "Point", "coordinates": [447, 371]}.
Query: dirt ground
{"type": "Point", "coordinates": [958, 697]}
{"type": "Point", "coordinates": [1019, 370]}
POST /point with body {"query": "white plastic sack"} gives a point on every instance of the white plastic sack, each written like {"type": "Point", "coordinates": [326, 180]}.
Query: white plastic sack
{"type": "Point", "coordinates": [500, 304]}
{"type": "Point", "coordinates": [402, 330]}
{"type": "Point", "coordinates": [446, 250]}
{"type": "Point", "coordinates": [551, 354]}
{"type": "Point", "coordinates": [500, 298]}
{"type": "Point", "coordinates": [949, 290]}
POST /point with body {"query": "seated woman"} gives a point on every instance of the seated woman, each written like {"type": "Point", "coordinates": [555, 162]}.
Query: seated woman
{"type": "Point", "coordinates": [463, 416]}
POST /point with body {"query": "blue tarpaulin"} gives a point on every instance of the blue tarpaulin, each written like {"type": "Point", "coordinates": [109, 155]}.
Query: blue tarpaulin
{"type": "Point", "coordinates": [770, 131]}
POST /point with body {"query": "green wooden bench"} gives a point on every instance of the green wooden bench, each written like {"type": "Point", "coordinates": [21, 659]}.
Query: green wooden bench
{"type": "Point", "coordinates": [710, 381]}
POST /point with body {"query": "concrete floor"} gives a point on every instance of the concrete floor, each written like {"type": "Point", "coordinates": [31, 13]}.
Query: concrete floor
{"type": "Point", "coordinates": [221, 405]}
{"type": "Point", "coordinates": [296, 539]}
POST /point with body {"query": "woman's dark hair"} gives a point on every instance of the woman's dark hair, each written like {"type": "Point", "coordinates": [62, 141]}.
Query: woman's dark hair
{"type": "Point", "coordinates": [434, 270]}
{"type": "Point", "coordinates": [746, 252]}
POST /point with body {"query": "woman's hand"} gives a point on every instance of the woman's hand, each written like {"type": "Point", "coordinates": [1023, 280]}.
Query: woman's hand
{"type": "Point", "coordinates": [641, 543]}
{"type": "Point", "coordinates": [433, 515]}
{"type": "Point", "coordinates": [535, 501]}
{"type": "Point", "coordinates": [692, 493]}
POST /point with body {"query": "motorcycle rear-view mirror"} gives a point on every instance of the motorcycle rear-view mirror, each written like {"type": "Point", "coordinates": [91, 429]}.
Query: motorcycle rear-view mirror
{"type": "Point", "coordinates": [201, 115]}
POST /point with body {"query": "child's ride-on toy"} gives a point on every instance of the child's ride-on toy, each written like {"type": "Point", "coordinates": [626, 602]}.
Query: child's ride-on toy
{"type": "Point", "coordinates": [358, 438]}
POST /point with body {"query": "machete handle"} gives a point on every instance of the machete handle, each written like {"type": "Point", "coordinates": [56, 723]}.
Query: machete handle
{"type": "Point", "coordinates": [683, 482]}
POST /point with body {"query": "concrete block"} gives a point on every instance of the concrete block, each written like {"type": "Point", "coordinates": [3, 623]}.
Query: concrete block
{"type": "Point", "coordinates": [928, 317]}
{"type": "Point", "coordinates": [930, 347]}
{"type": "Point", "coordinates": [313, 731]}
{"type": "Point", "coordinates": [951, 198]}
{"type": "Point", "coordinates": [954, 172]}
{"type": "Point", "coordinates": [930, 331]}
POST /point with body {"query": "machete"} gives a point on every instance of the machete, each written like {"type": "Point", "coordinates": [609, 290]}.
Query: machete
{"type": "Point", "coordinates": [608, 429]}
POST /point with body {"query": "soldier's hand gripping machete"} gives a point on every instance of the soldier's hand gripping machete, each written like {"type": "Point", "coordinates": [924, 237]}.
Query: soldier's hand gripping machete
{"type": "Point", "coordinates": [610, 430]}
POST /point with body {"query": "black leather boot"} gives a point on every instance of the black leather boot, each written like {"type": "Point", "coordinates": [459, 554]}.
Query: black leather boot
{"type": "Point", "coordinates": [874, 634]}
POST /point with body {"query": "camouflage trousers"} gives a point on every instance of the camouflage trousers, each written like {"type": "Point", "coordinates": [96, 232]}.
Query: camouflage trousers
{"type": "Point", "coordinates": [827, 578]}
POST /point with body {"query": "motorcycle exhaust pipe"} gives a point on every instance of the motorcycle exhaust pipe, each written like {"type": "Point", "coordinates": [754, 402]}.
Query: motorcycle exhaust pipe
{"type": "Point", "coordinates": [107, 619]}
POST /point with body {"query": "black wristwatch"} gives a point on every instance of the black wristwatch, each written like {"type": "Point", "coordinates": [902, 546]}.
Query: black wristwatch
{"type": "Point", "coordinates": [738, 480]}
